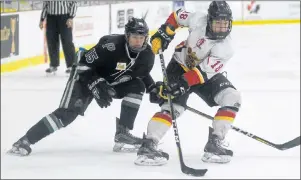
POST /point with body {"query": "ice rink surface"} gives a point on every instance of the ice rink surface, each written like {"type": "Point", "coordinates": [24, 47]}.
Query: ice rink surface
{"type": "Point", "coordinates": [265, 68]}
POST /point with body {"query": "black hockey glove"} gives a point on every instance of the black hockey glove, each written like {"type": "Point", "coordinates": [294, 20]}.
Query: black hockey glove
{"type": "Point", "coordinates": [159, 92]}
{"type": "Point", "coordinates": [162, 38]}
{"type": "Point", "coordinates": [103, 93]}
{"type": "Point", "coordinates": [154, 93]}
{"type": "Point", "coordinates": [178, 88]}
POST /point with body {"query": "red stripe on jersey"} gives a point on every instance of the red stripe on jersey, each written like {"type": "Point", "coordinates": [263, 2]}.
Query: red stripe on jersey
{"type": "Point", "coordinates": [172, 20]}
{"type": "Point", "coordinates": [194, 77]}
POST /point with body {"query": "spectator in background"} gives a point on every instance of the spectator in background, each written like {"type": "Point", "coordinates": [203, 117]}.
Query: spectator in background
{"type": "Point", "coordinates": [59, 21]}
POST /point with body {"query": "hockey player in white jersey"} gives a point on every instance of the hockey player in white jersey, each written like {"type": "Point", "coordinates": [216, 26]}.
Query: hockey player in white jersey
{"type": "Point", "coordinates": [196, 67]}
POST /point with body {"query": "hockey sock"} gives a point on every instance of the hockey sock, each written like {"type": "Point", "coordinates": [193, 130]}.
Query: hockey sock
{"type": "Point", "coordinates": [223, 120]}
{"type": "Point", "coordinates": [129, 109]}
{"type": "Point", "coordinates": [43, 128]}
{"type": "Point", "coordinates": [159, 125]}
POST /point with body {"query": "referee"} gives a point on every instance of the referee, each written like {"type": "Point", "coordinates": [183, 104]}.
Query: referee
{"type": "Point", "coordinates": [59, 21]}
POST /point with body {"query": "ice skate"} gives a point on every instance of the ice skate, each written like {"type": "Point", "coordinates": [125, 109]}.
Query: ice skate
{"type": "Point", "coordinates": [21, 147]}
{"type": "Point", "coordinates": [214, 150]}
{"type": "Point", "coordinates": [51, 71]}
{"type": "Point", "coordinates": [148, 155]}
{"type": "Point", "coordinates": [68, 70]}
{"type": "Point", "coordinates": [124, 140]}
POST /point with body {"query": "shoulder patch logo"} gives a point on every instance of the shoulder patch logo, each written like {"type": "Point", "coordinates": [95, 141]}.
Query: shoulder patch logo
{"type": "Point", "coordinates": [109, 46]}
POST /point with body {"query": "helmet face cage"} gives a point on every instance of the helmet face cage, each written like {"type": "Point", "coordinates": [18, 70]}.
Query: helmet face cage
{"type": "Point", "coordinates": [219, 20]}
{"type": "Point", "coordinates": [222, 34]}
{"type": "Point", "coordinates": [139, 27]}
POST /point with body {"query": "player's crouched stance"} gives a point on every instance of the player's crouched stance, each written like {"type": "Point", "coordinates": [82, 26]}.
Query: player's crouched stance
{"type": "Point", "coordinates": [117, 67]}
{"type": "Point", "coordinates": [196, 67]}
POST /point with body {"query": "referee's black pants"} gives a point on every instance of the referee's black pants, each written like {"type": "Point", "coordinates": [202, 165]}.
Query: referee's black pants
{"type": "Point", "coordinates": [56, 25]}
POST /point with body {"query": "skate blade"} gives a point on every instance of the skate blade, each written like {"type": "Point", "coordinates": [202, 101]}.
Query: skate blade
{"type": "Point", "coordinates": [50, 74]}
{"type": "Point", "coordinates": [212, 158]}
{"type": "Point", "coordinates": [145, 161]}
{"type": "Point", "coordinates": [21, 153]}
{"type": "Point", "coordinates": [125, 148]}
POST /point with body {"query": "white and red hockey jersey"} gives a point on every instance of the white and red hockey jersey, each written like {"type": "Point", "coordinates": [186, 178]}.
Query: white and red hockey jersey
{"type": "Point", "coordinates": [210, 55]}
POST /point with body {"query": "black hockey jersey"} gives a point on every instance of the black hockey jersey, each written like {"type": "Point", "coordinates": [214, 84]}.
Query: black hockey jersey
{"type": "Point", "coordinates": [113, 61]}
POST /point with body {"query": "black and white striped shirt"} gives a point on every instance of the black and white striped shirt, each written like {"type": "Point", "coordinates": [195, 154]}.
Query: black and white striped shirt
{"type": "Point", "coordinates": [59, 8]}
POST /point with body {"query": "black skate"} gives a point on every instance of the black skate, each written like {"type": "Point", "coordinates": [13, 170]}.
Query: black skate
{"type": "Point", "coordinates": [214, 152]}
{"type": "Point", "coordinates": [21, 147]}
{"type": "Point", "coordinates": [124, 140]}
{"type": "Point", "coordinates": [51, 70]}
{"type": "Point", "coordinates": [148, 155]}
{"type": "Point", "coordinates": [68, 70]}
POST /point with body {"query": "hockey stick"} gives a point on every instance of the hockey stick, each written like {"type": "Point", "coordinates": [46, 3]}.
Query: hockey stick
{"type": "Point", "coordinates": [288, 145]}
{"type": "Point", "coordinates": [185, 169]}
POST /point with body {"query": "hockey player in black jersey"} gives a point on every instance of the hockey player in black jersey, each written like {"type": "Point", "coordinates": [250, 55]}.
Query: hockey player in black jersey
{"type": "Point", "coordinates": [117, 67]}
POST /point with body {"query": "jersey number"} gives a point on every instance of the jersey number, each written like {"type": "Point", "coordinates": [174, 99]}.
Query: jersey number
{"type": "Point", "coordinates": [183, 16]}
{"type": "Point", "coordinates": [91, 55]}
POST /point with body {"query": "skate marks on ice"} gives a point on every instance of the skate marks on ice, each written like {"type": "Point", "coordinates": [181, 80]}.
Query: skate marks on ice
{"type": "Point", "coordinates": [83, 163]}
{"type": "Point", "coordinates": [249, 167]}
{"type": "Point", "coordinates": [103, 163]}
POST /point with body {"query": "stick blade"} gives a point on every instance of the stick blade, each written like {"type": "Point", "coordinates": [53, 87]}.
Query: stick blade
{"type": "Point", "coordinates": [293, 143]}
{"type": "Point", "coordinates": [194, 172]}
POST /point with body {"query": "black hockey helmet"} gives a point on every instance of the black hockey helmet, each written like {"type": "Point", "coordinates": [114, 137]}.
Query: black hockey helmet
{"type": "Point", "coordinates": [136, 26]}
{"type": "Point", "coordinates": [218, 10]}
